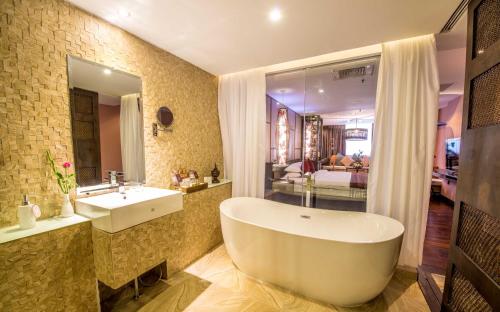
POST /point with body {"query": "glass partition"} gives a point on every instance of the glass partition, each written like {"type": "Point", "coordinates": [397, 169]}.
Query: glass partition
{"type": "Point", "coordinates": [320, 126]}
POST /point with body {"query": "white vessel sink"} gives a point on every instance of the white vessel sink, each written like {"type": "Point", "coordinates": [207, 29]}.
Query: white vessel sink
{"type": "Point", "coordinates": [114, 212]}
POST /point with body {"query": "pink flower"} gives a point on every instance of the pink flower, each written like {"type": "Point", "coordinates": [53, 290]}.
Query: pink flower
{"type": "Point", "coordinates": [66, 165]}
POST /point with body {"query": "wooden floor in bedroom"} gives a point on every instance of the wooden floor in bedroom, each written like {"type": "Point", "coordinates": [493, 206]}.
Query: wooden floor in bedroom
{"type": "Point", "coordinates": [437, 235]}
{"type": "Point", "coordinates": [213, 283]}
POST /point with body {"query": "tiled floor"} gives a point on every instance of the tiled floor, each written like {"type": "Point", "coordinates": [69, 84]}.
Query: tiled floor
{"type": "Point", "coordinates": [214, 284]}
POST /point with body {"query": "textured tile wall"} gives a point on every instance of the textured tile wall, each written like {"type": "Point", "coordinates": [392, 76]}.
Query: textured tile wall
{"type": "Point", "coordinates": [53, 271]}
{"type": "Point", "coordinates": [35, 38]}
{"type": "Point", "coordinates": [178, 238]}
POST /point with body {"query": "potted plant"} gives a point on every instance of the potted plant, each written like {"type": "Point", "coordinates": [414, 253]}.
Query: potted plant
{"type": "Point", "coordinates": [358, 160]}
{"type": "Point", "coordinates": [66, 182]}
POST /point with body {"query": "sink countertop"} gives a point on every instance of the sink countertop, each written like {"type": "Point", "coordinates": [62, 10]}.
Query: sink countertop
{"type": "Point", "coordinates": [11, 233]}
{"type": "Point", "coordinates": [113, 212]}
{"type": "Point", "coordinates": [115, 200]}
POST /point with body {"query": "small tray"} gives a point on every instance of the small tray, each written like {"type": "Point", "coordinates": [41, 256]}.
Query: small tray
{"type": "Point", "coordinates": [194, 188]}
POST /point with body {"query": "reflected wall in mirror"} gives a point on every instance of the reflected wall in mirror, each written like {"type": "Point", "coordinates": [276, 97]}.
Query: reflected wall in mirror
{"type": "Point", "coordinates": [107, 123]}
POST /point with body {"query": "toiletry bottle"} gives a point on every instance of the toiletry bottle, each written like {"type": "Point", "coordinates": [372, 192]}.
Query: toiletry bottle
{"type": "Point", "coordinates": [27, 214]}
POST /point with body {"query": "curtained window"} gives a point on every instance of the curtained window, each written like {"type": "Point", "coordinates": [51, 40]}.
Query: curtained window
{"type": "Point", "coordinates": [333, 141]}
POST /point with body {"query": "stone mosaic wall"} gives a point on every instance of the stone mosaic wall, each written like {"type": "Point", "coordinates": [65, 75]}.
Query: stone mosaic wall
{"type": "Point", "coordinates": [52, 271]}
{"type": "Point", "coordinates": [35, 39]}
{"type": "Point", "coordinates": [179, 238]}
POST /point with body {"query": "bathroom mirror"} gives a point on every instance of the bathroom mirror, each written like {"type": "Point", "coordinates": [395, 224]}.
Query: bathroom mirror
{"type": "Point", "coordinates": [165, 116]}
{"type": "Point", "coordinates": [107, 124]}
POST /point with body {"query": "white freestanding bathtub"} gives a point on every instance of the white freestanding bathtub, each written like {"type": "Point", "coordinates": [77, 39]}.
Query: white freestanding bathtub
{"type": "Point", "coordinates": [338, 257]}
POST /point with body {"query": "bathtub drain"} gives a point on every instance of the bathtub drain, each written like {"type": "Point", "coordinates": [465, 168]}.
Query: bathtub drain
{"type": "Point", "coordinates": [305, 216]}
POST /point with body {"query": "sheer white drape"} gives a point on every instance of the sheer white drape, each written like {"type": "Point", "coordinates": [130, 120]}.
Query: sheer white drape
{"type": "Point", "coordinates": [131, 138]}
{"type": "Point", "coordinates": [404, 139]}
{"type": "Point", "coordinates": [242, 114]}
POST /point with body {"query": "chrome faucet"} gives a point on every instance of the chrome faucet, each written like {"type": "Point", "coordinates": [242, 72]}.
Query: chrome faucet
{"type": "Point", "coordinates": [114, 179]}
{"type": "Point", "coordinates": [121, 187]}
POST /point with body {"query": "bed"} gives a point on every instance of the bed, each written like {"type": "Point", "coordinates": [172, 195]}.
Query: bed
{"type": "Point", "coordinates": [326, 184]}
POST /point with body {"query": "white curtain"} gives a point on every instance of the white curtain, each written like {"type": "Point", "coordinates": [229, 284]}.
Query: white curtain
{"type": "Point", "coordinates": [403, 145]}
{"type": "Point", "coordinates": [132, 138]}
{"type": "Point", "coordinates": [242, 114]}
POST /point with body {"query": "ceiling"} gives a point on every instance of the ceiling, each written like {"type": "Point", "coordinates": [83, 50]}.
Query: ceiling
{"type": "Point", "coordinates": [343, 99]}
{"type": "Point", "coordinates": [90, 76]}
{"type": "Point", "coordinates": [324, 94]}
{"type": "Point", "coordinates": [224, 36]}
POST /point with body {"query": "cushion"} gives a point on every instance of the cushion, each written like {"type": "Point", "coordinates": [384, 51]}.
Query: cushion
{"type": "Point", "coordinates": [295, 167]}
{"type": "Point", "coordinates": [347, 161]}
{"type": "Point", "coordinates": [365, 161]}
{"type": "Point", "coordinates": [333, 159]}
{"type": "Point", "coordinates": [339, 159]}
{"type": "Point", "coordinates": [309, 166]}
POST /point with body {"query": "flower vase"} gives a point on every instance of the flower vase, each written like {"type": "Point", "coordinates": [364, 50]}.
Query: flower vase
{"type": "Point", "coordinates": [67, 207]}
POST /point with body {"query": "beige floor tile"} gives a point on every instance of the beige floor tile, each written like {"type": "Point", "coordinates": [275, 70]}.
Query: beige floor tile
{"type": "Point", "coordinates": [213, 283]}
{"type": "Point", "coordinates": [216, 298]}
{"type": "Point", "coordinates": [439, 279]}
{"type": "Point", "coordinates": [184, 289]}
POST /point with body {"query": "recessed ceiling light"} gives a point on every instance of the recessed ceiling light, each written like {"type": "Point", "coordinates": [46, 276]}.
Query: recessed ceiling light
{"type": "Point", "coordinates": [106, 71]}
{"type": "Point", "coordinates": [124, 13]}
{"type": "Point", "coordinates": [275, 15]}
{"type": "Point", "coordinates": [321, 91]}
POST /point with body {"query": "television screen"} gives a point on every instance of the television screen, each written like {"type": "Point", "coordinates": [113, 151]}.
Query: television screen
{"type": "Point", "coordinates": [452, 153]}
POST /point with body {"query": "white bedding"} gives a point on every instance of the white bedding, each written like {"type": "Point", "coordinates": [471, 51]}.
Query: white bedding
{"type": "Point", "coordinates": [332, 178]}
{"type": "Point", "coordinates": [325, 178]}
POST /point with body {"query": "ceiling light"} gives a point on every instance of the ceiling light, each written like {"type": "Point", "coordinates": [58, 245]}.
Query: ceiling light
{"type": "Point", "coordinates": [321, 91]}
{"type": "Point", "coordinates": [481, 51]}
{"type": "Point", "coordinates": [275, 15]}
{"type": "Point", "coordinates": [124, 13]}
{"type": "Point", "coordinates": [106, 71]}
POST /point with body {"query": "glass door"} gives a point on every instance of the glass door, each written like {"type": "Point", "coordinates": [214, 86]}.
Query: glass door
{"type": "Point", "coordinates": [337, 133]}
{"type": "Point", "coordinates": [284, 140]}
{"type": "Point", "coordinates": [319, 126]}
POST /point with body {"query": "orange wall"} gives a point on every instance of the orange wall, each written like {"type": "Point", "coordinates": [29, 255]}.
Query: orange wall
{"type": "Point", "coordinates": [452, 116]}
{"type": "Point", "coordinates": [109, 123]}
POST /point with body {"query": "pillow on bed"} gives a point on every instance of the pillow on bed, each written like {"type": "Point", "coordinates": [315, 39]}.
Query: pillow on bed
{"type": "Point", "coordinates": [295, 167]}
{"type": "Point", "coordinates": [347, 161]}
{"type": "Point", "coordinates": [338, 161]}
{"type": "Point", "coordinates": [333, 159]}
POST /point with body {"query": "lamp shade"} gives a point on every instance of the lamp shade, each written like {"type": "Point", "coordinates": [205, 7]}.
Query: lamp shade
{"type": "Point", "coordinates": [356, 134]}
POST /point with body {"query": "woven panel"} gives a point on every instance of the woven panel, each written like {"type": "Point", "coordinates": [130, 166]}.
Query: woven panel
{"type": "Point", "coordinates": [464, 297]}
{"type": "Point", "coordinates": [84, 130]}
{"type": "Point", "coordinates": [486, 25]}
{"type": "Point", "coordinates": [83, 106]}
{"type": "Point", "coordinates": [86, 176]}
{"type": "Point", "coordinates": [485, 99]}
{"type": "Point", "coordinates": [478, 236]}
